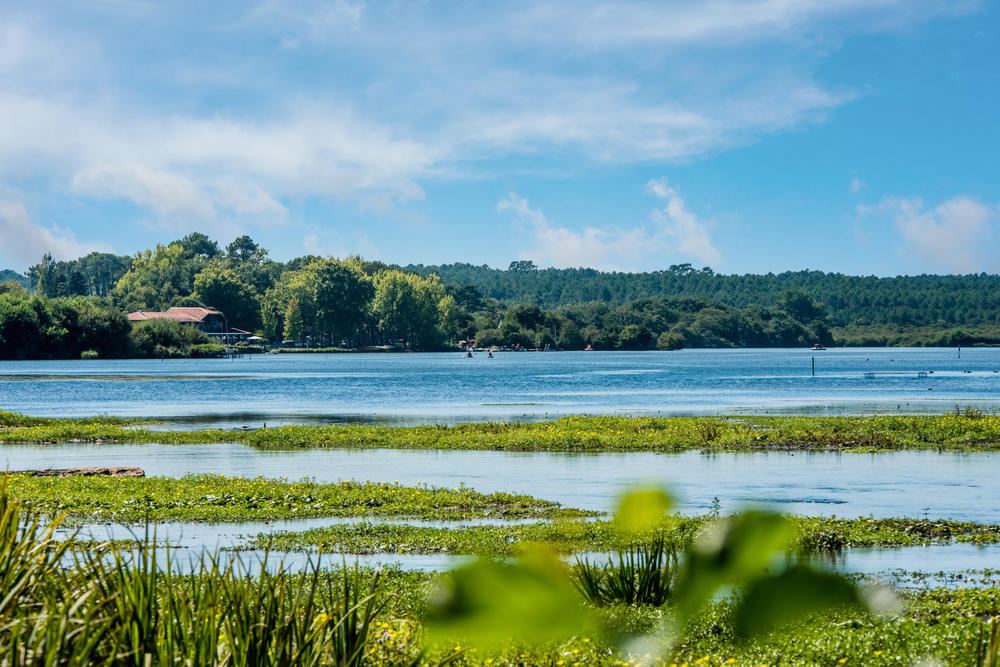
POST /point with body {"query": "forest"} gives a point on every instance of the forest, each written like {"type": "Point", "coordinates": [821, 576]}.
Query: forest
{"type": "Point", "coordinates": [77, 308]}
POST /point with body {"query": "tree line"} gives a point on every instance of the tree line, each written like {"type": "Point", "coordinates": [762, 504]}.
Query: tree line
{"type": "Point", "coordinates": [923, 300]}
{"type": "Point", "coordinates": [79, 306]}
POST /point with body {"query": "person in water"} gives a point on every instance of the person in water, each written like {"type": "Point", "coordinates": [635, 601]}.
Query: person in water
{"type": "Point", "coordinates": [489, 355]}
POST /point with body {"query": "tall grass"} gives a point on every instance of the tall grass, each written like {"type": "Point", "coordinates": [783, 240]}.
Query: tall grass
{"type": "Point", "coordinates": [642, 575]}
{"type": "Point", "coordinates": [60, 605]}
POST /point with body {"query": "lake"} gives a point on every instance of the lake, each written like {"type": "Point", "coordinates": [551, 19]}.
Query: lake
{"type": "Point", "coordinates": [449, 388]}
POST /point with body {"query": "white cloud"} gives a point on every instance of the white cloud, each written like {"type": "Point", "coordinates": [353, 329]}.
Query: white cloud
{"type": "Point", "coordinates": [236, 112]}
{"type": "Point", "coordinates": [171, 196]}
{"type": "Point", "coordinates": [185, 168]}
{"type": "Point", "coordinates": [857, 185]}
{"type": "Point", "coordinates": [675, 232]}
{"type": "Point", "coordinates": [958, 236]}
{"type": "Point", "coordinates": [690, 234]}
{"type": "Point", "coordinates": [22, 242]}
{"type": "Point", "coordinates": [562, 247]}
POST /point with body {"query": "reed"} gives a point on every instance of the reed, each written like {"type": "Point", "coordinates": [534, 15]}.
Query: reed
{"type": "Point", "coordinates": [642, 575]}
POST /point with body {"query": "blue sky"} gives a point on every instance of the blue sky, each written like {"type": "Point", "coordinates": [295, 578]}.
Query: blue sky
{"type": "Point", "coordinates": [857, 136]}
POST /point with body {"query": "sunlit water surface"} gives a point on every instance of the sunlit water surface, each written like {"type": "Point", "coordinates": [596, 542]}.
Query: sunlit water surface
{"type": "Point", "coordinates": [447, 387]}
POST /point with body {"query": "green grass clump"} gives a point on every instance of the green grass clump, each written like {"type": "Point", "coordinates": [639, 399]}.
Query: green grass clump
{"type": "Point", "coordinates": [17, 420]}
{"type": "Point", "coordinates": [953, 432]}
{"type": "Point", "coordinates": [812, 535]}
{"type": "Point", "coordinates": [217, 498]}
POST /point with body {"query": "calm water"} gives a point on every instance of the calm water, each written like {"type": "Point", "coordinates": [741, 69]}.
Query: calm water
{"type": "Point", "coordinates": [956, 486]}
{"type": "Point", "coordinates": [445, 388]}
{"type": "Point", "coordinates": [412, 388]}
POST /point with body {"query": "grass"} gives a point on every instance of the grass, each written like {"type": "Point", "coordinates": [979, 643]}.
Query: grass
{"type": "Point", "coordinates": [813, 534]}
{"type": "Point", "coordinates": [112, 607]}
{"type": "Point", "coordinates": [217, 498]}
{"type": "Point", "coordinates": [957, 431]}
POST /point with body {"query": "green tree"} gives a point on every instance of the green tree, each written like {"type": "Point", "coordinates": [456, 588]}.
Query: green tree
{"type": "Point", "coordinates": [157, 279]}
{"type": "Point", "coordinates": [199, 245]}
{"type": "Point", "coordinates": [413, 308]}
{"type": "Point", "coordinates": [44, 277]}
{"type": "Point", "coordinates": [244, 249]}
{"type": "Point", "coordinates": [220, 288]}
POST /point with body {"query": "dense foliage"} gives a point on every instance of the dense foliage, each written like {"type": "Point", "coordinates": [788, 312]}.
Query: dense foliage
{"type": "Point", "coordinates": [78, 327]}
{"type": "Point", "coordinates": [954, 300]}
{"type": "Point", "coordinates": [32, 327]}
{"type": "Point", "coordinates": [351, 303]}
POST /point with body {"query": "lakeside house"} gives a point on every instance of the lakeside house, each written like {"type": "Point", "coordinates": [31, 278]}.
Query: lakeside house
{"type": "Point", "coordinates": [210, 322]}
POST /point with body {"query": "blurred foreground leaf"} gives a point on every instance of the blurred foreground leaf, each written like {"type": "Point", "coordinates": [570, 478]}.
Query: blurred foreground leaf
{"type": "Point", "coordinates": [642, 510]}
{"type": "Point", "coordinates": [732, 553]}
{"type": "Point", "coordinates": [798, 591]}
{"type": "Point", "coordinates": [488, 603]}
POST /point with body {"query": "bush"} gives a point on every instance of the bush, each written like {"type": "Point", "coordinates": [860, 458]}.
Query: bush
{"type": "Point", "coordinates": [165, 338]}
{"type": "Point", "coordinates": [669, 340]}
{"type": "Point", "coordinates": [90, 354]}
{"type": "Point", "coordinates": [206, 350]}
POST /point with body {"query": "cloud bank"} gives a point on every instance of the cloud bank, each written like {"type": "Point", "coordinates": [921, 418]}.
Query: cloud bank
{"type": "Point", "coordinates": [957, 236]}
{"type": "Point", "coordinates": [674, 233]}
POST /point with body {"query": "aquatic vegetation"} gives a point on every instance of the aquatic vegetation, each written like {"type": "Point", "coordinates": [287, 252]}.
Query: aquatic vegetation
{"type": "Point", "coordinates": [641, 575]}
{"type": "Point", "coordinates": [952, 431]}
{"type": "Point", "coordinates": [217, 498]}
{"type": "Point", "coordinates": [134, 608]}
{"type": "Point", "coordinates": [14, 419]}
{"type": "Point", "coordinates": [811, 535]}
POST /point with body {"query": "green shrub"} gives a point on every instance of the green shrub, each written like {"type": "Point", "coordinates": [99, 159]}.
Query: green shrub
{"type": "Point", "coordinates": [90, 354]}
{"type": "Point", "coordinates": [164, 338]}
{"type": "Point", "coordinates": [206, 350]}
{"type": "Point", "coordinates": [670, 340]}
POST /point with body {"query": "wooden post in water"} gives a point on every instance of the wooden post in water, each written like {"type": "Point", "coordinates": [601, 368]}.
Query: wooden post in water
{"type": "Point", "coordinates": [814, 366]}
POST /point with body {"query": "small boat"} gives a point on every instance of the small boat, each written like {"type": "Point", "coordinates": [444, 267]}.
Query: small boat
{"type": "Point", "coordinates": [818, 346]}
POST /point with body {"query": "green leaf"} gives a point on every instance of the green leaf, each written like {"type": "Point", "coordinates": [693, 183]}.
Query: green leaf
{"type": "Point", "coordinates": [798, 591]}
{"type": "Point", "coordinates": [642, 510]}
{"type": "Point", "coordinates": [486, 603]}
{"type": "Point", "coordinates": [732, 552]}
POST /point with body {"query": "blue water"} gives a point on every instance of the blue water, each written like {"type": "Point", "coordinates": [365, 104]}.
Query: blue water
{"type": "Point", "coordinates": [443, 388]}
{"type": "Point", "coordinates": [448, 388]}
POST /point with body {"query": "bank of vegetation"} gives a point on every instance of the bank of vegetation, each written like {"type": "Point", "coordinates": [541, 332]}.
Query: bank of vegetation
{"type": "Point", "coordinates": [218, 498]}
{"type": "Point", "coordinates": [962, 430]}
{"type": "Point", "coordinates": [74, 604]}
{"type": "Point", "coordinates": [812, 535]}
{"type": "Point", "coordinates": [349, 303]}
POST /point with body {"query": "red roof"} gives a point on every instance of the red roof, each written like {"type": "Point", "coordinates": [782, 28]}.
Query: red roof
{"type": "Point", "coordinates": [185, 315]}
